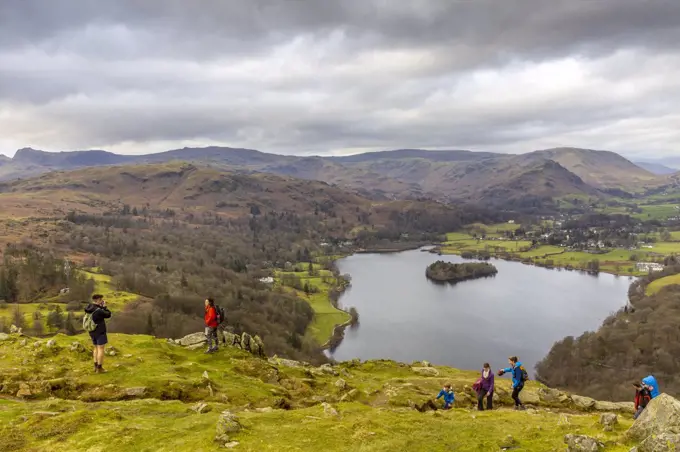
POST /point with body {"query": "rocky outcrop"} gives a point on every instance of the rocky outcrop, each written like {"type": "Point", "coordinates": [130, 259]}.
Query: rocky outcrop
{"type": "Point", "coordinates": [609, 420]}
{"type": "Point", "coordinates": [13, 329]}
{"type": "Point", "coordinates": [582, 443]}
{"type": "Point", "coordinates": [245, 341]}
{"type": "Point", "coordinates": [193, 339]}
{"type": "Point", "coordinates": [426, 371]}
{"type": "Point", "coordinates": [665, 442]}
{"type": "Point", "coordinates": [4, 337]}
{"type": "Point", "coordinates": [661, 416]}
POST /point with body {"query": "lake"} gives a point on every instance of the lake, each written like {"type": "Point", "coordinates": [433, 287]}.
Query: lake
{"type": "Point", "coordinates": [521, 311]}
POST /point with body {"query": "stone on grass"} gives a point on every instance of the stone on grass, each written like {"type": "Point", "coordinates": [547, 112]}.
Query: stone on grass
{"type": "Point", "coordinates": [201, 407]}
{"type": "Point", "coordinates": [341, 384]}
{"type": "Point", "coordinates": [327, 369]}
{"type": "Point", "coordinates": [4, 337]}
{"type": "Point", "coordinates": [37, 344]}
{"type": "Point", "coordinates": [245, 341]}
{"type": "Point", "coordinates": [661, 415]}
{"type": "Point", "coordinates": [51, 343]}
{"type": "Point", "coordinates": [231, 444]}
{"type": "Point", "coordinates": [77, 347]}
{"type": "Point", "coordinates": [620, 407]}
{"type": "Point", "coordinates": [509, 442]}
{"type": "Point", "coordinates": [350, 396]}
{"type": "Point", "coordinates": [609, 420]}
{"type": "Point", "coordinates": [13, 329]}
{"type": "Point", "coordinates": [23, 342]}
{"type": "Point", "coordinates": [660, 443]}
{"type": "Point", "coordinates": [205, 375]}
{"type": "Point", "coordinates": [227, 423]}
{"type": "Point", "coordinates": [552, 396]}
{"type": "Point", "coordinates": [328, 410]}
{"type": "Point", "coordinates": [24, 391]}
{"type": "Point", "coordinates": [582, 443]}
{"type": "Point", "coordinates": [426, 371]}
{"type": "Point", "coordinates": [193, 339]}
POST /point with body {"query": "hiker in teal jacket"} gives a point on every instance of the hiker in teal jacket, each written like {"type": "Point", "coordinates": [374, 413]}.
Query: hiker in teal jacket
{"type": "Point", "coordinates": [517, 380]}
{"type": "Point", "coordinates": [448, 395]}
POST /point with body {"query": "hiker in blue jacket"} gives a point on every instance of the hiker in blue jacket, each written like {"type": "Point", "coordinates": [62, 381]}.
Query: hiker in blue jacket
{"type": "Point", "coordinates": [448, 395]}
{"type": "Point", "coordinates": [652, 386]}
{"type": "Point", "coordinates": [518, 378]}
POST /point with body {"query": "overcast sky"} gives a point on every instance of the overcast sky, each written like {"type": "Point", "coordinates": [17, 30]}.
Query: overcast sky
{"type": "Point", "coordinates": [327, 76]}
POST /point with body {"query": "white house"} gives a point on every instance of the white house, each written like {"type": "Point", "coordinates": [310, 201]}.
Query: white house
{"type": "Point", "coordinates": [649, 267]}
{"type": "Point", "coordinates": [267, 280]}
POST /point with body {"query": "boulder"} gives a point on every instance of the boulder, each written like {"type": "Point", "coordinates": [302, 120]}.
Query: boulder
{"type": "Point", "coordinates": [583, 403]}
{"type": "Point", "coordinates": [285, 362]}
{"type": "Point", "coordinates": [111, 350]}
{"type": "Point", "coordinates": [231, 444]}
{"type": "Point", "coordinates": [193, 339]}
{"type": "Point", "coordinates": [426, 364]}
{"type": "Point", "coordinates": [23, 342]}
{"type": "Point", "coordinates": [552, 396]}
{"type": "Point", "coordinates": [13, 329]}
{"type": "Point", "coordinates": [260, 346]}
{"type": "Point", "coordinates": [51, 343]}
{"type": "Point", "coordinates": [665, 442]}
{"type": "Point", "coordinates": [609, 420]}
{"type": "Point", "coordinates": [426, 371]}
{"type": "Point", "coordinates": [227, 423]}
{"type": "Point", "coordinates": [341, 384]}
{"type": "Point", "coordinates": [4, 337]}
{"type": "Point", "coordinates": [582, 443]}
{"type": "Point", "coordinates": [328, 370]}
{"type": "Point", "coordinates": [137, 392]}
{"type": "Point", "coordinates": [620, 407]}
{"type": "Point", "coordinates": [662, 415]}
{"type": "Point", "coordinates": [37, 344]}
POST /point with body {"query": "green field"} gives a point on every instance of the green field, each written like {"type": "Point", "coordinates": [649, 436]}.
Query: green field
{"type": "Point", "coordinates": [326, 316]}
{"type": "Point", "coordinates": [659, 284]}
{"type": "Point", "coordinates": [657, 211]}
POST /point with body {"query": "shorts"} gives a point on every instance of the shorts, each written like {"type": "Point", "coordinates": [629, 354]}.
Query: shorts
{"type": "Point", "coordinates": [99, 339]}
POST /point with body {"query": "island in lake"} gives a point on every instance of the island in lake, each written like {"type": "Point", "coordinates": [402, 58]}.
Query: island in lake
{"type": "Point", "coordinates": [442, 271]}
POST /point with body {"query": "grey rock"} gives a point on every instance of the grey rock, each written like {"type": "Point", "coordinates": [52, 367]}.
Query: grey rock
{"type": "Point", "coordinates": [13, 329]}
{"type": "Point", "coordinates": [23, 342]}
{"type": "Point", "coordinates": [341, 384]}
{"type": "Point", "coordinates": [584, 403]}
{"type": "Point", "coordinates": [24, 391]}
{"type": "Point", "coordinates": [193, 339]}
{"type": "Point", "coordinates": [227, 423]}
{"type": "Point", "coordinates": [201, 407]}
{"type": "Point", "coordinates": [231, 444]}
{"type": "Point", "coordinates": [245, 341]}
{"type": "Point", "coordinates": [508, 442]}
{"type": "Point", "coordinates": [37, 344]}
{"type": "Point", "coordinates": [4, 337]}
{"type": "Point", "coordinates": [665, 442]}
{"type": "Point", "coordinates": [582, 443]}
{"type": "Point", "coordinates": [426, 371]}
{"type": "Point", "coordinates": [426, 364]}
{"type": "Point", "coordinates": [350, 396]}
{"type": "Point", "coordinates": [328, 410]}
{"type": "Point", "coordinates": [127, 356]}
{"type": "Point", "coordinates": [609, 420]}
{"type": "Point", "coordinates": [51, 343]}
{"type": "Point", "coordinates": [205, 375]}
{"type": "Point", "coordinates": [327, 369]}
{"type": "Point", "coordinates": [620, 407]}
{"type": "Point", "coordinates": [45, 413]}
{"type": "Point", "coordinates": [552, 396]}
{"type": "Point", "coordinates": [285, 362]}
{"type": "Point", "coordinates": [662, 415]}
{"type": "Point", "coordinates": [264, 410]}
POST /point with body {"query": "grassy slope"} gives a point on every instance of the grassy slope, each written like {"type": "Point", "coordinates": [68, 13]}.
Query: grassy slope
{"type": "Point", "coordinates": [90, 415]}
{"type": "Point", "coordinates": [326, 316]}
{"type": "Point", "coordinates": [659, 284]}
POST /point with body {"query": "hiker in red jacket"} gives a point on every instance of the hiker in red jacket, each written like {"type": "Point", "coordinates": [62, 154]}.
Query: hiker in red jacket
{"type": "Point", "coordinates": [642, 398]}
{"type": "Point", "coordinates": [211, 325]}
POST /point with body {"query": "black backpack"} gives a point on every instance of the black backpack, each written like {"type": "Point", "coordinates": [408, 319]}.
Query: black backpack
{"type": "Point", "coordinates": [524, 375]}
{"type": "Point", "coordinates": [220, 314]}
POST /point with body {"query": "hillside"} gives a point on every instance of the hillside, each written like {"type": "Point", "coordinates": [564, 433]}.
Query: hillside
{"type": "Point", "coordinates": [601, 169]}
{"type": "Point", "coordinates": [656, 168]}
{"type": "Point", "coordinates": [158, 395]}
{"type": "Point", "coordinates": [403, 174]}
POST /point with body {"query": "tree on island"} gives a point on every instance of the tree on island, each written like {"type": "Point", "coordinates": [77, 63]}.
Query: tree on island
{"type": "Point", "coordinates": [441, 271]}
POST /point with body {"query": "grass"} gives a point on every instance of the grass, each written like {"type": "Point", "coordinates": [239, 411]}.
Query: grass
{"type": "Point", "coordinates": [326, 316]}
{"type": "Point", "coordinates": [657, 211]}
{"type": "Point", "coordinates": [659, 284]}
{"type": "Point", "coordinates": [87, 411]}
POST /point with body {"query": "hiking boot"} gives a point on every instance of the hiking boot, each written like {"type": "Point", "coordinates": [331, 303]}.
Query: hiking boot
{"type": "Point", "coordinates": [100, 369]}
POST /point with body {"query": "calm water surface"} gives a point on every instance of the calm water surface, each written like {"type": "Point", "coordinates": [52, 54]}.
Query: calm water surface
{"type": "Point", "coordinates": [522, 311]}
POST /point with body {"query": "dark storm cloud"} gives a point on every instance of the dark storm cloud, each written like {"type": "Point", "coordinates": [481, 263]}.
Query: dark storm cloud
{"type": "Point", "coordinates": [318, 75]}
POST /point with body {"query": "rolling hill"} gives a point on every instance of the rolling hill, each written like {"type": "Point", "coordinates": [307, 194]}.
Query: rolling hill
{"type": "Point", "coordinates": [456, 175]}
{"type": "Point", "coordinates": [656, 168]}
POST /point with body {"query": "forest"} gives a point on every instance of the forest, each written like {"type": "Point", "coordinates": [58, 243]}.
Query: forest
{"type": "Point", "coordinates": [639, 340]}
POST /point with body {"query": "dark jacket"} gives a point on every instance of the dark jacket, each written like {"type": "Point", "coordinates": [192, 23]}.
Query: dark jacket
{"type": "Point", "coordinates": [487, 383]}
{"type": "Point", "coordinates": [98, 315]}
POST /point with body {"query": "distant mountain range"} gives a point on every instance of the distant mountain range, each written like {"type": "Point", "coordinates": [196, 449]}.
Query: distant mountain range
{"type": "Point", "coordinates": [658, 168]}
{"type": "Point", "coordinates": [455, 175]}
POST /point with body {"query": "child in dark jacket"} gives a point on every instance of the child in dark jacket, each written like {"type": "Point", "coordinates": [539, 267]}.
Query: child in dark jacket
{"type": "Point", "coordinates": [448, 395]}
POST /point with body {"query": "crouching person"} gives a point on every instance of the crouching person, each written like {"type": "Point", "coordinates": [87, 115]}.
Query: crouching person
{"type": "Point", "coordinates": [448, 395]}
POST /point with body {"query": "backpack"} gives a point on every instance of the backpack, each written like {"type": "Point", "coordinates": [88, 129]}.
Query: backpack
{"type": "Point", "coordinates": [525, 374]}
{"type": "Point", "coordinates": [219, 312]}
{"type": "Point", "coordinates": [88, 322]}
